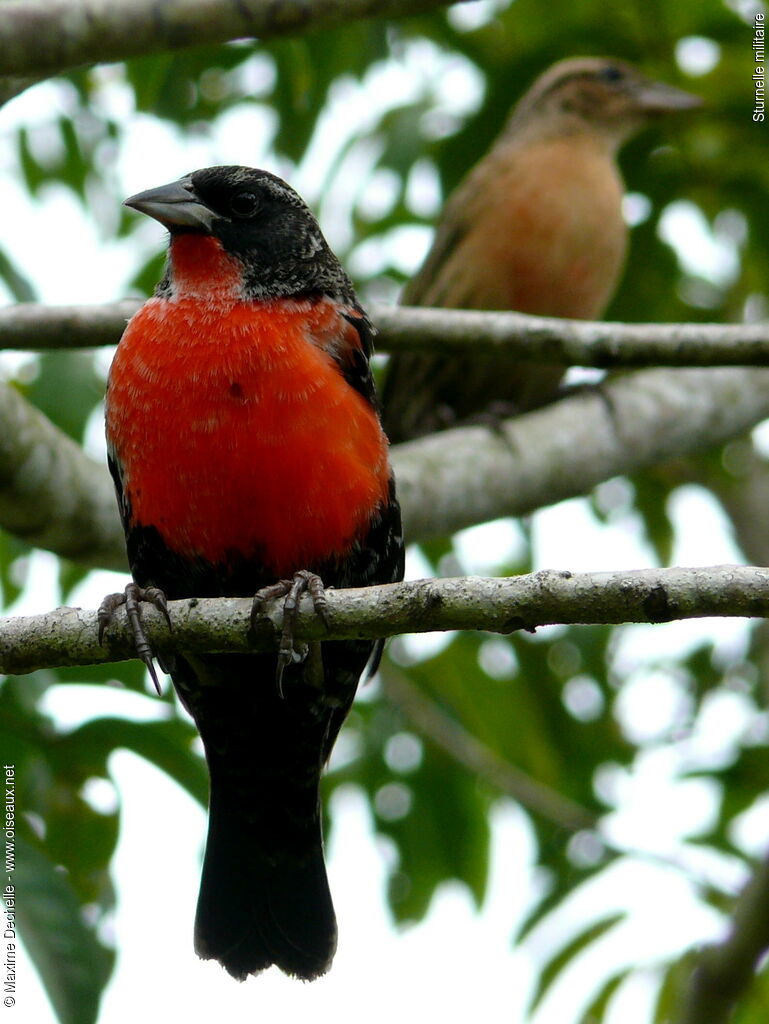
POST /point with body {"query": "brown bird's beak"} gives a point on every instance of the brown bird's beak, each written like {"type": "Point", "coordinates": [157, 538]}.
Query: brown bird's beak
{"type": "Point", "coordinates": [659, 98]}
{"type": "Point", "coordinates": [174, 205]}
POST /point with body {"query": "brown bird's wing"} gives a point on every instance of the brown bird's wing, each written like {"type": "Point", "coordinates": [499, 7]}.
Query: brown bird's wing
{"type": "Point", "coordinates": [535, 228]}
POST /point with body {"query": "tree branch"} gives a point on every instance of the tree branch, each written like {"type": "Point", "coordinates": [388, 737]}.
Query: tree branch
{"type": "Point", "coordinates": [34, 326]}
{"type": "Point", "coordinates": [462, 477]}
{"type": "Point", "coordinates": [57, 35]}
{"type": "Point", "coordinates": [68, 635]}
{"type": "Point", "coordinates": [449, 331]}
{"type": "Point", "coordinates": [725, 971]}
{"type": "Point", "coordinates": [56, 497]}
{"type": "Point", "coordinates": [570, 342]}
{"type": "Point", "coordinates": [51, 494]}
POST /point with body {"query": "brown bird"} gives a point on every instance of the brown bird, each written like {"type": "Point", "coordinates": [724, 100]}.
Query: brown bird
{"type": "Point", "coordinates": [536, 227]}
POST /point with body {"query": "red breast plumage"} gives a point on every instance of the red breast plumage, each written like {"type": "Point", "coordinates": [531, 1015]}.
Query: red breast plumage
{"type": "Point", "coordinates": [269, 448]}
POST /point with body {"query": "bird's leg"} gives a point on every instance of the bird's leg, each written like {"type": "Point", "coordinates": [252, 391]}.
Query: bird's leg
{"type": "Point", "coordinates": [590, 387]}
{"type": "Point", "coordinates": [303, 582]}
{"type": "Point", "coordinates": [131, 597]}
{"type": "Point", "coordinates": [493, 417]}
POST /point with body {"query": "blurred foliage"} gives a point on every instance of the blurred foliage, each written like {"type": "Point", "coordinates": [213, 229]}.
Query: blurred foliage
{"type": "Point", "coordinates": [551, 705]}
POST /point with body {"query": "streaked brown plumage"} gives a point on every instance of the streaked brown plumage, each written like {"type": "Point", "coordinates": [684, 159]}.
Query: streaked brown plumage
{"type": "Point", "coordinates": [537, 227]}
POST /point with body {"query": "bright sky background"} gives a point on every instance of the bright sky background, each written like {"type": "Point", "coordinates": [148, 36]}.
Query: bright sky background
{"type": "Point", "coordinates": [459, 964]}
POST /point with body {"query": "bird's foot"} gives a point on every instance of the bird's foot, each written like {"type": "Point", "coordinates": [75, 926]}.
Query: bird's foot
{"type": "Point", "coordinates": [590, 387]}
{"type": "Point", "coordinates": [132, 597]}
{"type": "Point", "coordinates": [494, 418]}
{"type": "Point", "coordinates": [303, 582]}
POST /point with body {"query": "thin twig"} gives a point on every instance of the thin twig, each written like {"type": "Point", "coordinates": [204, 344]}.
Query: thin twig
{"type": "Point", "coordinates": [467, 750]}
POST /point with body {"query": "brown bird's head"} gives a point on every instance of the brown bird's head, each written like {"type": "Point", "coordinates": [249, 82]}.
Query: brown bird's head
{"type": "Point", "coordinates": [600, 95]}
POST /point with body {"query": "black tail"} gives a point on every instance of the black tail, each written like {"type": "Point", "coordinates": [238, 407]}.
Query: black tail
{"type": "Point", "coordinates": [264, 895]}
{"type": "Point", "coordinates": [255, 910]}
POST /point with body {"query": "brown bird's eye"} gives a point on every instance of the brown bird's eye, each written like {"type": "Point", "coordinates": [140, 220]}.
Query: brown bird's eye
{"type": "Point", "coordinates": [610, 73]}
{"type": "Point", "coordinates": [244, 204]}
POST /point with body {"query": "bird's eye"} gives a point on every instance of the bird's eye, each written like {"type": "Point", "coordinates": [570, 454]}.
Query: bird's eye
{"type": "Point", "coordinates": [611, 73]}
{"type": "Point", "coordinates": [244, 204]}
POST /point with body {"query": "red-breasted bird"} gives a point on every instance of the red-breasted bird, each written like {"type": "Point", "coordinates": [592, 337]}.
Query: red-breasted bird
{"type": "Point", "coordinates": [537, 227]}
{"type": "Point", "coordinates": [246, 448]}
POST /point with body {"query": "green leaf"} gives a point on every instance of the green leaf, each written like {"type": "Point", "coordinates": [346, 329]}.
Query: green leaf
{"type": "Point", "coordinates": [73, 966]}
{"type": "Point", "coordinates": [307, 68]}
{"type": "Point", "coordinates": [66, 389]}
{"type": "Point", "coordinates": [187, 86]}
{"type": "Point", "coordinates": [596, 1011]}
{"type": "Point", "coordinates": [652, 493]}
{"type": "Point", "coordinates": [13, 566]}
{"type": "Point", "coordinates": [568, 953]}
{"type": "Point", "coordinates": [444, 836]}
{"type": "Point", "coordinates": [670, 996]}
{"type": "Point", "coordinates": [34, 174]}
{"type": "Point", "coordinates": [753, 1008]}
{"type": "Point", "coordinates": [167, 744]}
{"type": "Point", "coordinates": [437, 815]}
{"type": "Point", "coordinates": [19, 285]}
{"type": "Point", "coordinates": [71, 574]}
{"type": "Point", "coordinates": [75, 166]}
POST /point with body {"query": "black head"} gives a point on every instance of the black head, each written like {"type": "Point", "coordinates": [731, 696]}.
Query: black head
{"type": "Point", "coordinates": [260, 220]}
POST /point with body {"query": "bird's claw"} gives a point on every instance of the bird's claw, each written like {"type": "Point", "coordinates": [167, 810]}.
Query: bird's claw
{"type": "Point", "coordinates": [590, 387]}
{"type": "Point", "coordinates": [303, 582]}
{"type": "Point", "coordinates": [132, 597]}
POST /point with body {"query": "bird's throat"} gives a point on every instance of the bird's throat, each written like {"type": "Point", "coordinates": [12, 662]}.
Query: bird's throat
{"type": "Point", "coordinates": [201, 269]}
